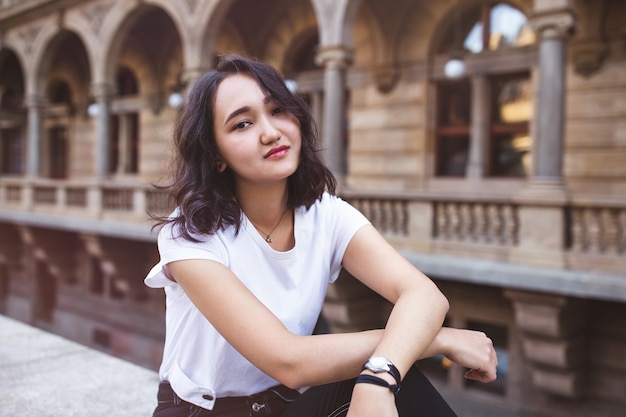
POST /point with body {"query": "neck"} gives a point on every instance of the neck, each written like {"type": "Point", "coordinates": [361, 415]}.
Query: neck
{"type": "Point", "coordinates": [263, 205]}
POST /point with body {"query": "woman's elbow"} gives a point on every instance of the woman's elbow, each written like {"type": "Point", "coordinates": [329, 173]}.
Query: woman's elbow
{"type": "Point", "coordinates": [290, 375]}
{"type": "Point", "coordinates": [445, 304]}
{"type": "Point", "coordinates": [440, 302]}
{"type": "Point", "coordinates": [287, 365]}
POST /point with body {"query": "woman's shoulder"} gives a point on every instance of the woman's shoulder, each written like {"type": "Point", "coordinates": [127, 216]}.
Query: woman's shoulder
{"type": "Point", "coordinates": [330, 207]}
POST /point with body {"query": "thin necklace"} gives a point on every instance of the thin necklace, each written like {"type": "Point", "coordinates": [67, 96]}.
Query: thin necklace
{"type": "Point", "coordinates": [268, 236]}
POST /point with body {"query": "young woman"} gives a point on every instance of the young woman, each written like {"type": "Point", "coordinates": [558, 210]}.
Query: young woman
{"type": "Point", "coordinates": [246, 258]}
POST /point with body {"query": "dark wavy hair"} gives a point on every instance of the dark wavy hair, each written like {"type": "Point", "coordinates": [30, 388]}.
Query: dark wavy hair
{"type": "Point", "coordinates": [205, 197]}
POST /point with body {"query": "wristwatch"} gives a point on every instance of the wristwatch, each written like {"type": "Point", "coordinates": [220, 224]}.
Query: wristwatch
{"type": "Point", "coordinates": [379, 364]}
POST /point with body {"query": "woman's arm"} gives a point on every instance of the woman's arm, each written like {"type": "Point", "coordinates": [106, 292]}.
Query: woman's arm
{"type": "Point", "coordinates": [419, 307]}
{"type": "Point", "coordinates": [294, 360]}
{"type": "Point", "coordinates": [254, 331]}
{"type": "Point", "coordinates": [413, 330]}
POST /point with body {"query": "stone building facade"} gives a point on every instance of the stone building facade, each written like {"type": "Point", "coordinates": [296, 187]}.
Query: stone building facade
{"type": "Point", "coordinates": [484, 139]}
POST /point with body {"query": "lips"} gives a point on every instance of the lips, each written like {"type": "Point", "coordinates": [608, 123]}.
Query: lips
{"type": "Point", "coordinates": [276, 152]}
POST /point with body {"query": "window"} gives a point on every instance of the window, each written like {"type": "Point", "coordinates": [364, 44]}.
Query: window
{"type": "Point", "coordinates": [482, 118]}
{"type": "Point", "coordinates": [124, 146]}
{"type": "Point", "coordinates": [511, 112]}
{"type": "Point", "coordinates": [124, 143]}
{"type": "Point", "coordinates": [58, 152]}
{"type": "Point", "coordinates": [57, 147]}
{"type": "Point", "coordinates": [500, 26]}
{"type": "Point", "coordinates": [11, 151]}
{"type": "Point", "coordinates": [453, 128]}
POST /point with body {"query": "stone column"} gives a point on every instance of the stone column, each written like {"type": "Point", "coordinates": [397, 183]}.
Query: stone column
{"type": "Point", "coordinates": [124, 134]}
{"type": "Point", "coordinates": [542, 203]}
{"type": "Point", "coordinates": [552, 29]}
{"type": "Point", "coordinates": [102, 94]}
{"type": "Point", "coordinates": [335, 60]}
{"type": "Point", "coordinates": [480, 127]}
{"type": "Point", "coordinates": [33, 162]}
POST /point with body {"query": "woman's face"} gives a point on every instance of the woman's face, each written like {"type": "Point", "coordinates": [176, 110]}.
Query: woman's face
{"type": "Point", "coordinates": [257, 139]}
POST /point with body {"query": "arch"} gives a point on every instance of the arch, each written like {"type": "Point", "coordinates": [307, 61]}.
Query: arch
{"type": "Point", "coordinates": [12, 86]}
{"type": "Point", "coordinates": [228, 40]}
{"type": "Point", "coordinates": [211, 19]}
{"type": "Point", "coordinates": [30, 43]}
{"type": "Point", "coordinates": [126, 82]}
{"type": "Point", "coordinates": [59, 92]}
{"type": "Point", "coordinates": [495, 88]}
{"type": "Point", "coordinates": [368, 36]}
{"type": "Point", "coordinates": [295, 26]}
{"type": "Point", "coordinates": [55, 65]}
{"type": "Point", "coordinates": [300, 54]}
{"type": "Point", "coordinates": [123, 34]}
{"type": "Point", "coordinates": [464, 15]}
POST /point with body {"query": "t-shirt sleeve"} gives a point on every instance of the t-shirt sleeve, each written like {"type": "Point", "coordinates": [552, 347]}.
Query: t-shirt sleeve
{"type": "Point", "coordinates": [175, 248]}
{"type": "Point", "coordinates": [346, 221]}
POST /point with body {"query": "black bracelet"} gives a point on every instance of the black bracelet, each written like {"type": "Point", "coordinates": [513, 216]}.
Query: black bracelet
{"type": "Point", "coordinates": [371, 379]}
{"type": "Point", "coordinates": [393, 371]}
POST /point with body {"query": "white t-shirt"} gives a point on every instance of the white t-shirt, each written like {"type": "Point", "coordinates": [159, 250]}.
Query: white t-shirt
{"type": "Point", "coordinates": [198, 362]}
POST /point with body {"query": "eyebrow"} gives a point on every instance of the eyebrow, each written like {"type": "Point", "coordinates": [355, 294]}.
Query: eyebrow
{"type": "Point", "coordinates": [246, 109]}
{"type": "Point", "coordinates": [236, 113]}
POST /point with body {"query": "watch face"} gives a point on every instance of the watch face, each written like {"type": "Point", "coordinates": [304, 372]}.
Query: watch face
{"type": "Point", "coordinates": [378, 363]}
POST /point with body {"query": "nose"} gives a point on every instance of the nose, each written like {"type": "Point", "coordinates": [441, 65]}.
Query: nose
{"type": "Point", "coordinates": [269, 132]}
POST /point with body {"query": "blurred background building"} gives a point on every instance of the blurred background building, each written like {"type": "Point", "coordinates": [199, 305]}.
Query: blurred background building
{"type": "Point", "coordinates": [486, 140]}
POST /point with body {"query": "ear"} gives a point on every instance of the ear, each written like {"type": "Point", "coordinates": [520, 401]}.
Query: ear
{"type": "Point", "coordinates": [221, 166]}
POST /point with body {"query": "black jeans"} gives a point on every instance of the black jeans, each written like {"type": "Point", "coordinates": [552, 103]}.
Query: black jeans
{"type": "Point", "coordinates": [417, 398]}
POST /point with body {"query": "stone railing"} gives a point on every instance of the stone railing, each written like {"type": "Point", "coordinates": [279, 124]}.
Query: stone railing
{"type": "Point", "coordinates": [490, 227]}
{"type": "Point", "coordinates": [23, 4]}
{"type": "Point", "coordinates": [441, 219]}
{"type": "Point", "coordinates": [599, 230]}
{"type": "Point", "coordinates": [478, 226]}
{"type": "Point", "coordinates": [480, 222]}
{"type": "Point", "coordinates": [81, 198]}
{"type": "Point", "coordinates": [597, 235]}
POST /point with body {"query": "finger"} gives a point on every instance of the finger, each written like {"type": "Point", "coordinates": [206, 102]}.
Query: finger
{"type": "Point", "coordinates": [481, 375]}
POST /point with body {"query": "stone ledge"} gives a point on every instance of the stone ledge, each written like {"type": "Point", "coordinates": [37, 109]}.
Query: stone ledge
{"type": "Point", "coordinates": [44, 375]}
{"type": "Point", "coordinates": [573, 283]}
{"type": "Point", "coordinates": [140, 231]}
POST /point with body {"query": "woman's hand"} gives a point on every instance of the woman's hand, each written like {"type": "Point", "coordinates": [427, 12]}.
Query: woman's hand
{"type": "Point", "coordinates": [474, 350]}
{"type": "Point", "coordinates": [372, 401]}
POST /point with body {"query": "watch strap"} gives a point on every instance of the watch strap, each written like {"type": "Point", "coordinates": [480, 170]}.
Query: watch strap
{"type": "Point", "coordinates": [375, 380]}
{"type": "Point", "coordinates": [393, 371]}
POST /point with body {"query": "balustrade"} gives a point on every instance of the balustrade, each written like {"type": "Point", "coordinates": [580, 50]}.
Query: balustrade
{"type": "Point", "coordinates": [88, 199]}
{"type": "Point", "coordinates": [117, 199]}
{"type": "Point", "coordinates": [76, 197]}
{"type": "Point", "coordinates": [389, 216]}
{"type": "Point", "coordinates": [45, 195]}
{"type": "Point", "coordinates": [14, 193]}
{"type": "Point", "coordinates": [596, 231]}
{"type": "Point", "coordinates": [490, 223]}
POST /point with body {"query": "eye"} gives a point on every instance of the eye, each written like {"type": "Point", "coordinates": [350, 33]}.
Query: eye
{"type": "Point", "coordinates": [277, 110]}
{"type": "Point", "coordinates": [242, 125]}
